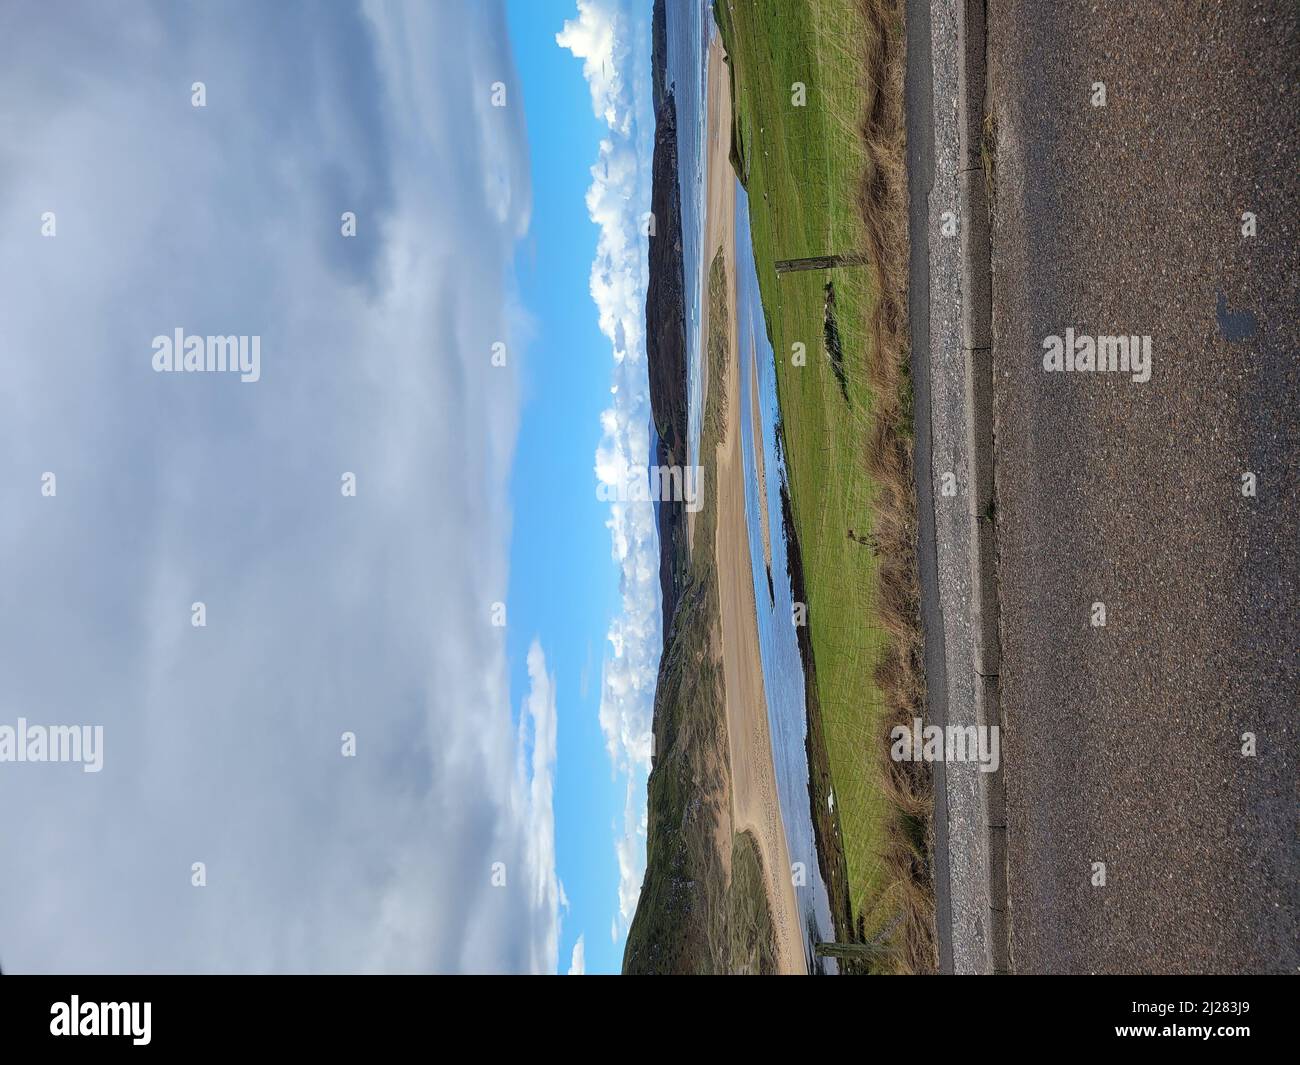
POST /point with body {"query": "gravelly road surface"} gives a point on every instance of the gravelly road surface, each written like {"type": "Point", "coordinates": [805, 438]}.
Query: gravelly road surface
{"type": "Point", "coordinates": [1123, 743]}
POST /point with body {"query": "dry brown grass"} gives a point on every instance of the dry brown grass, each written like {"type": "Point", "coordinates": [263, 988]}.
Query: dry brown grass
{"type": "Point", "coordinates": [899, 675]}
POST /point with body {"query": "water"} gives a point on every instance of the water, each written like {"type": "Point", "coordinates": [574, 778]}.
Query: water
{"type": "Point", "coordinates": [783, 675]}
{"type": "Point", "coordinates": [690, 26]}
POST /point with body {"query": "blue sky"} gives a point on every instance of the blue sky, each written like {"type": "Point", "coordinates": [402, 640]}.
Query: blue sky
{"type": "Point", "coordinates": [584, 572]}
{"type": "Point", "coordinates": [563, 582]}
{"type": "Point", "coordinates": [612, 38]}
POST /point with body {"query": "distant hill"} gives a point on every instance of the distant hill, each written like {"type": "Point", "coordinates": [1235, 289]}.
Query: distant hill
{"type": "Point", "coordinates": [666, 348]}
{"type": "Point", "coordinates": [703, 906]}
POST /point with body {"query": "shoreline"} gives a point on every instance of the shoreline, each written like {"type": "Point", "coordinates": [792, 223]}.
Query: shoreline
{"type": "Point", "coordinates": [760, 463]}
{"type": "Point", "coordinates": [754, 800]}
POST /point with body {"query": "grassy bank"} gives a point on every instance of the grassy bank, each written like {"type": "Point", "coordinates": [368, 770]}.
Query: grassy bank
{"type": "Point", "coordinates": [752, 941]}
{"type": "Point", "coordinates": [819, 149]}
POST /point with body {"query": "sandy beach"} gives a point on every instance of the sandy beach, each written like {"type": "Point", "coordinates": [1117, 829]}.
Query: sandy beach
{"type": "Point", "coordinates": [754, 796]}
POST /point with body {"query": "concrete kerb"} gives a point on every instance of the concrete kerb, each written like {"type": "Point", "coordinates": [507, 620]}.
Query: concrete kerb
{"type": "Point", "coordinates": [976, 329]}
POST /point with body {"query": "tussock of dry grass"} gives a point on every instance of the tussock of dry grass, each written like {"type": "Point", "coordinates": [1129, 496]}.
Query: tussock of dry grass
{"type": "Point", "coordinates": [899, 674]}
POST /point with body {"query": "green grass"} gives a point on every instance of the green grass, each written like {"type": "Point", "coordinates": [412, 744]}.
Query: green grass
{"type": "Point", "coordinates": [802, 167]}
{"type": "Point", "coordinates": [752, 940]}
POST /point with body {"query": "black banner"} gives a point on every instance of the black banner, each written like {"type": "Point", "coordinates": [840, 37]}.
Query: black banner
{"type": "Point", "coordinates": [367, 1013]}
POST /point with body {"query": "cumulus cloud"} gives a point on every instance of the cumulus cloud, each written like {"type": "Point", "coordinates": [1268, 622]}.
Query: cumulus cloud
{"type": "Point", "coordinates": [578, 964]}
{"type": "Point", "coordinates": [599, 37]}
{"type": "Point", "coordinates": [325, 614]}
{"type": "Point", "coordinates": [612, 39]}
{"type": "Point", "coordinates": [535, 788]}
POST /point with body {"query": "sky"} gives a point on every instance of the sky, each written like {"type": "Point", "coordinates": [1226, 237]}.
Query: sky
{"type": "Point", "coordinates": [570, 567]}
{"type": "Point", "coordinates": [489, 815]}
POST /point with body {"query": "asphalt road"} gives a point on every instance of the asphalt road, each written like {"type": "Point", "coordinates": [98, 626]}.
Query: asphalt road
{"type": "Point", "coordinates": [1123, 743]}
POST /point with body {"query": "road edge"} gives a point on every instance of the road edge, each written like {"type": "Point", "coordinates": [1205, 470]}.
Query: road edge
{"type": "Point", "coordinates": [974, 185]}
{"type": "Point", "coordinates": [951, 328]}
{"type": "Point", "coordinates": [918, 114]}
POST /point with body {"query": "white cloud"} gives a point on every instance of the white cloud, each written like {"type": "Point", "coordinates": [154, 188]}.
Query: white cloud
{"type": "Point", "coordinates": [325, 614]}
{"type": "Point", "coordinates": [536, 807]}
{"type": "Point", "coordinates": [578, 964]}
{"type": "Point", "coordinates": [600, 37]}
{"type": "Point", "coordinates": [613, 42]}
